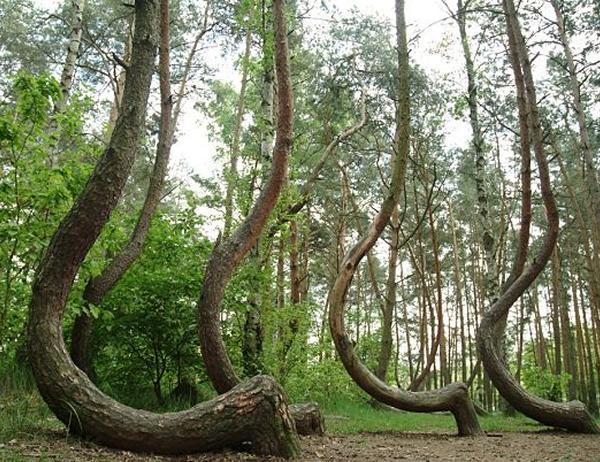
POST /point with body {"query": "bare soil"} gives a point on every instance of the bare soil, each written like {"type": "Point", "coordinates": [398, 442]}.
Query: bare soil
{"type": "Point", "coordinates": [368, 447]}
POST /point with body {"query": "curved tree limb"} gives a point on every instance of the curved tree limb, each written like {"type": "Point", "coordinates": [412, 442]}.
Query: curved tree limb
{"type": "Point", "coordinates": [255, 411]}
{"type": "Point", "coordinates": [229, 252]}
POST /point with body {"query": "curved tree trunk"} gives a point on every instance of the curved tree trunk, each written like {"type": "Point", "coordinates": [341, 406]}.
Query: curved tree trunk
{"type": "Point", "coordinates": [573, 415]}
{"type": "Point", "coordinates": [228, 253]}
{"type": "Point", "coordinates": [256, 411]}
{"type": "Point", "coordinates": [454, 397]}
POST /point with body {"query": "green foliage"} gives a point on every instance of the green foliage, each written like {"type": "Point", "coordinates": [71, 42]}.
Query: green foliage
{"type": "Point", "coordinates": [45, 158]}
{"type": "Point", "coordinates": [148, 334]}
{"type": "Point", "coordinates": [545, 383]}
{"type": "Point", "coordinates": [542, 382]}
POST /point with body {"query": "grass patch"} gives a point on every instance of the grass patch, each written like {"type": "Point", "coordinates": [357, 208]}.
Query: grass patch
{"type": "Point", "coordinates": [353, 417]}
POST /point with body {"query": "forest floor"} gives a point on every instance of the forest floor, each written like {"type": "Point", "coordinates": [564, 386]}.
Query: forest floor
{"type": "Point", "coordinates": [29, 432]}
{"type": "Point", "coordinates": [368, 447]}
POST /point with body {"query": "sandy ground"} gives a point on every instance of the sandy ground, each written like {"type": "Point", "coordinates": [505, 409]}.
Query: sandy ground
{"type": "Point", "coordinates": [368, 447]}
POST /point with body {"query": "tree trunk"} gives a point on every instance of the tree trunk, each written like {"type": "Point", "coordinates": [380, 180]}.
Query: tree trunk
{"type": "Point", "coordinates": [68, 71]}
{"type": "Point", "coordinates": [232, 174]}
{"type": "Point", "coordinates": [567, 341]}
{"type": "Point", "coordinates": [228, 254]}
{"type": "Point", "coordinates": [459, 296]}
{"type": "Point", "coordinates": [385, 352]}
{"type": "Point", "coordinates": [252, 335]}
{"type": "Point", "coordinates": [256, 411]}
{"type": "Point", "coordinates": [98, 287]}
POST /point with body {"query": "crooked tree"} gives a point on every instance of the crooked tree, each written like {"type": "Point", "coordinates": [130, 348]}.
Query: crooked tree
{"type": "Point", "coordinates": [255, 411]}
{"type": "Point", "coordinates": [454, 397]}
{"type": "Point", "coordinates": [229, 252]}
{"type": "Point", "coordinates": [573, 415]}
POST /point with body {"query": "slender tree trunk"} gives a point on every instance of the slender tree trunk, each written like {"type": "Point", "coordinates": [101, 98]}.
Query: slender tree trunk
{"type": "Point", "coordinates": [68, 72]}
{"type": "Point", "coordinates": [567, 341]}
{"type": "Point", "coordinates": [228, 254]}
{"type": "Point", "coordinates": [98, 287]}
{"type": "Point", "coordinates": [252, 337]}
{"type": "Point", "coordinates": [119, 84]}
{"type": "Point", "coordinates": [232, 174]}
{"type": "Point", "coordinates": [385, 351]}
{"type": "Point", "coordinates": [444, 374]}
{"type": "Point", "coordinates": [459, 295]}
{"type": "Point", "coordinates": [590, 360]}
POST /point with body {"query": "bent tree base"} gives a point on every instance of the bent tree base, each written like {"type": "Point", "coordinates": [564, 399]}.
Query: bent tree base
{"type": "Point", "coordinates": [254, 412]}
{"type": "Point", "coordinates": [454, 397]}
{"type": "Point", "coordinates": [572, 416]}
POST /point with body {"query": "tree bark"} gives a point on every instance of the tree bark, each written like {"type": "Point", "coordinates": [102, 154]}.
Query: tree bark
{"type": "Point", "coordinates": [256, 411]}
{"type": "Point", "coordinates": [229, 252]}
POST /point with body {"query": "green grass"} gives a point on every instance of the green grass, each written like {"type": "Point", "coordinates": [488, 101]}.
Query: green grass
{"type": "Point", "coordinates": [353, 417]}
{"type": "Point", "coordinates": [23, 413]}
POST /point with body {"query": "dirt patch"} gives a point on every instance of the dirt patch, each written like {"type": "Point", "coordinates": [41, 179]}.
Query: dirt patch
{"type": "Point", "coordinates": [368, 447]}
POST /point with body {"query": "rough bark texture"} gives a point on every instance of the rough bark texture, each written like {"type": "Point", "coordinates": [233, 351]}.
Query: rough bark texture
{"type": "Point", "coordinates": [255, 411]}
{"type": "Point", "coordinates": [81, 337]}
{"type": "Point", "coordinates": [229, 252]}
{"type": "Point", "coordinates": [573, 415]}
{"type": "Point", "coordinates": [454, 397]}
